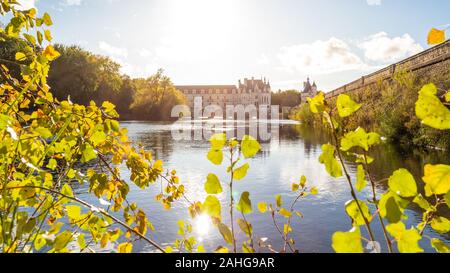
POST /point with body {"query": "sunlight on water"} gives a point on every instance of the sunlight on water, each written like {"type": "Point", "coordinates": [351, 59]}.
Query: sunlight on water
{"type": "Point", "coordinates": [202, 226]}
{"type": "Point", "coordinates": [281, 162]}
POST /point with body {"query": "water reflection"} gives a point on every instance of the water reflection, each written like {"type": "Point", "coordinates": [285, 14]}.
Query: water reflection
{"type": "Point", "coordinates": [294, 152]}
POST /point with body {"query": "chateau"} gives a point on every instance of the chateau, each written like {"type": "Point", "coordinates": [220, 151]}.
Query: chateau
{"type": "Point", "coordinates": [248, 92]}
{"type": "Point", "coordinates": [309, 90]}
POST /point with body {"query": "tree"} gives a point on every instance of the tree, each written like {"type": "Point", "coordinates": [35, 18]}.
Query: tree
{"type": "Point", "coordinates": [288, 98]}
{"type": "Point", "coordinates": [155, 97]}
{"type": "Point", "coordinates": [84, 76]}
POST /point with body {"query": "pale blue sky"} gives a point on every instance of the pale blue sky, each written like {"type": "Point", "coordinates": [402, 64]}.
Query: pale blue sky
{"type": "Point", "coordinates": [218, 41]}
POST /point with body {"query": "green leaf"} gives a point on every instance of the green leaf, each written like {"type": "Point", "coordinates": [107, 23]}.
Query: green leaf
{"type": "Point", "coordinates": [81, 241]}
{"type": "Point", "coordinates": [98, 137]}
{"type": "Point", "coordinates": [62, 240]}
{"type": "Point", "coordinates": [359, 138]}
{"type": "Point", "coordinates": [218, 141]}
{"type": "Point", "coordinates": [48, 35]}
{"type": "Point", "coordinates": [407, 240]}
{"type": "Point", "coordinates": [317, 104]}
{"type": "Point", "coordinates": [262, 207]}
{"type": "Point", "coordinates": [392, 207]}
{"type": "Point", "coordinates": [67, 190]}
{"type": "Point", "coordinates": [39, 243]}
{"type": "Point", "coordinates": [226, 233]}
{"type": "Point", "coordinates": [347, 242]}
{"type": "Point", "coordinates": [430, 109]}
{"type": "Point", "coordinates": [40, 37]}
{"type": "Point", "coordinates": [241, 172]}
{"type": "Point", "coordinates": [244, 205]}
{"type": "Point", "coordinates": [346, 106]}
{"type": "Point", "coordinates": [329, 160]}
{"type": "Point", "coordinates": [353, 211]}
{"type": "Point", "coordinates": [212, 206]}
{"type": "Point", "coordinates": [52, 164]}
{"type": "Point", "coordinates": [422, 202]}
{"type": "Point", "coordinates": [402, 183]}
{"type": "Point", "coordinates": [249, 146]}
{"type": "Point", "coordinates": [437, 179]}
{"type": "Point", "coordinates": [30, 38]}
{"type": "Point", "coordinates": [88, 153]}
{"type": "Point", "coordinates": [362, 159]}
{"type": "Point", "coordinates": [440, 246]}
{"type": "Point", "coordinates": [212, 184]}
{"type": "Point", "coordinates": [285, 213]}
{"type": "Point", "coordinates": [441, 225]}
{"type": "Point", "coordinates": [278, 200]}
{"type": "Point", "coordinates": [360, 178]}
{"type": "Point", "coordinates": [215, 156]}
{"type": "Point", "coordinates": [245, 226]}
{"type": "Point", "coordinates": [247, 249]}
{"type": "Point", "coordinates": [447, 198]}
{"type": "Point", "coordinates": [43, 132]}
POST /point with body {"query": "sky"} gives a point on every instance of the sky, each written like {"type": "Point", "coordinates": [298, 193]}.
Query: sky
{"type": "Point", "coordinates": [220, 41]}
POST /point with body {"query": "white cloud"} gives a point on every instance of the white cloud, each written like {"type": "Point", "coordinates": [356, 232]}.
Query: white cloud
{"type": "Point", "coordinates": [373, 2]}
{"type": "Point", "coordinates": [381, 48]}
{"type": "Point", "coordinates": [263, 59]}
{"type": "Point", "coordinates": [73, 2]}
{"type": "Point", "coordinates": [319, 57]}
{"type": "Point", "coordinates": [112, 50]}
{"type": "Point", "coordinates": [26, 4]}
{"type": "Point", "coordinates": [144, 53]}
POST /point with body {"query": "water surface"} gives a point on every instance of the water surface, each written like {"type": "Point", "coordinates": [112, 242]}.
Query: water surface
{"type": "Point", "coordinates": [282, 161]}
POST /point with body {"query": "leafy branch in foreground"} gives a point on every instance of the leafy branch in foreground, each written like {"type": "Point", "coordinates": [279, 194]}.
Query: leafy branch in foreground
{"type": "Point", "coordinates": [403, 189]}
{"type": "Point", "coordinates": [52, 150]}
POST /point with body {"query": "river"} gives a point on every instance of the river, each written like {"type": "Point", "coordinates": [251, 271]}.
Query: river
{"type": "Point", "coordinates": [283, 159]}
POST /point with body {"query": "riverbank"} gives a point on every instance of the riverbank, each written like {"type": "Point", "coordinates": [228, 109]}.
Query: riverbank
{"type": "Point", "coordinates": [389, 109]}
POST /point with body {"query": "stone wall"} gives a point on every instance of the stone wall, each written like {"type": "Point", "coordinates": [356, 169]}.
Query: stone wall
{"type": "Point", "coordinates": [431, 61]}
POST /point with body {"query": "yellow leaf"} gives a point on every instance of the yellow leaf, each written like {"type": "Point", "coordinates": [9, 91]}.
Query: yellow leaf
{"type": "Point", "coordinates": [244, 205]}
{"type": "Point", "coordinates": [284, 212]}
{"type": "Point", "coordinates": [431, 110]}
{"type": "Point", "coordinates": [212, 206]}
{"type": "Point", "coordinates": [407, 240]}
{"type": "Point", "coordinates": [212, 185]}
{"type": "Point", "coordinates": [50, 53]}
{"type": "Point", "coordinates": [125, 247]}
{"type": "Point", "coordinates": [436, 36]}
{"type": "Point", "coordinates": [262, 207]}
{"type": "Point", "coordinates": [346, 106]}
{"type": "Point", "coordinates": [249, 146]}
{"type": "Point", "coordinates": [241, 172]}
{"type": "Point", "coordinates": [218, 141]}
{"type": "Point", "coordinates": [437, 179]}
{"type": "Point", "coordinates": [347, 242]}
{"type": "Point", "coordinates": [20, 56]}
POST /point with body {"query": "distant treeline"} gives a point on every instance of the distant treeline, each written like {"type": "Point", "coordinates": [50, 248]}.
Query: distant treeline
{"type": "Point", "coordinates": [82, 76]}
{"type": "Point", "coordinates": [288, 98]}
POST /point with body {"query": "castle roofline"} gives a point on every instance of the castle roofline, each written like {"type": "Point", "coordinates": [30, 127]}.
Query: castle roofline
{"type": "Point", "coordinates": [205, 86]}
